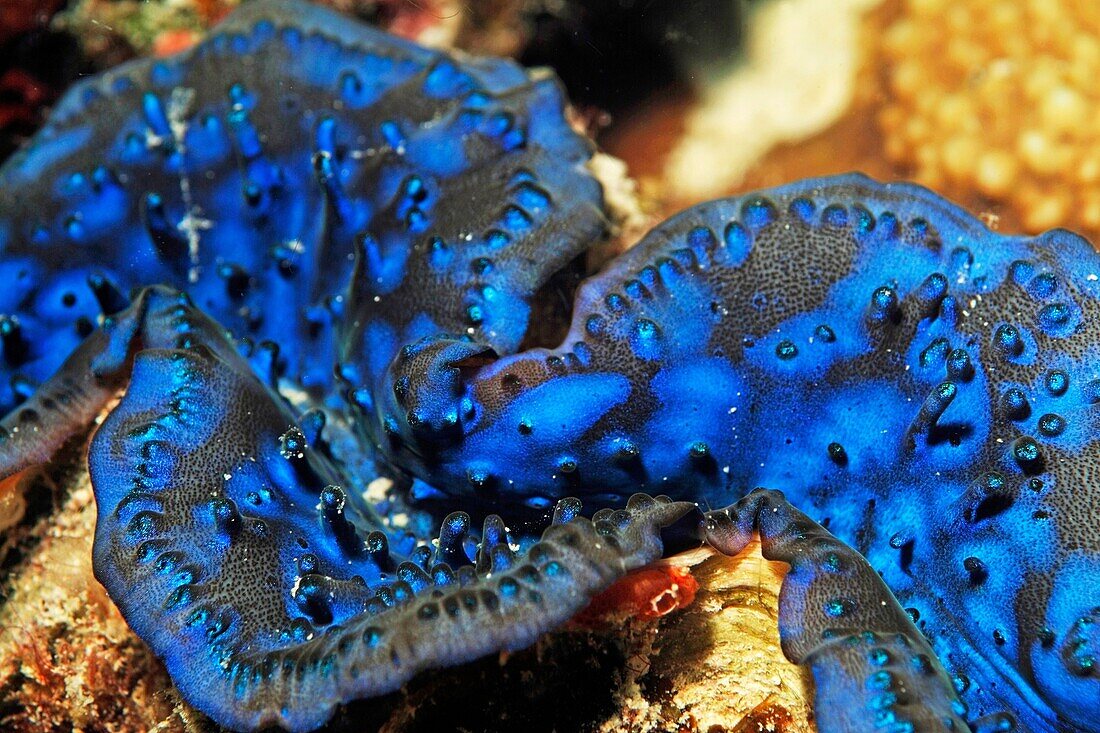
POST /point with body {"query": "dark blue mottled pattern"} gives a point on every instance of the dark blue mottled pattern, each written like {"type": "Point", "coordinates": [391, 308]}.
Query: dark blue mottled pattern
{"type": "Point", "coordinates": [928, 388]}
{"type": "Point", "coordinates": [363, 229]}
{"type": "Point", "coordinates": [253, 191]}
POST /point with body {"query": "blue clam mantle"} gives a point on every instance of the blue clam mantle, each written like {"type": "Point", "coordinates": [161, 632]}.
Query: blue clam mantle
{"type": "Point", "coordinates": [309, 255]}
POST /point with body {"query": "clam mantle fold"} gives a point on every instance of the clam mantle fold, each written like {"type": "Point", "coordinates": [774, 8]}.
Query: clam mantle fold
{"type": "Point", "coordinates": [308, 255]}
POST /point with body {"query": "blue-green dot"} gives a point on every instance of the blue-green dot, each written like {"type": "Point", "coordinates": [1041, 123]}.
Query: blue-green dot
{"type": "Point", "coordinates": [786, 350]}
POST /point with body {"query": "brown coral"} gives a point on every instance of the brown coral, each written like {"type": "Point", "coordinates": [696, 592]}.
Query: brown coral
{"type": "Point", "coordinates": [999, 98]}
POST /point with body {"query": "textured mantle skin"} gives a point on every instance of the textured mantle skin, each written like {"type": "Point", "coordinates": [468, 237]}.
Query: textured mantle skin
{"type": "Point", "coordinates": [67, 659]}
{"type": "Point", "coordinates": [306, 255]}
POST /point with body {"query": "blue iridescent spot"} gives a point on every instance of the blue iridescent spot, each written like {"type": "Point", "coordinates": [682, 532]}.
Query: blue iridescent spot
{"type": "Point", "coordinates": [1008, 340]}
{"type": "Point", "coordinates": [701, 237]}
{"type": "Point", "coordinates": [1057, 382]}
{"type": "Point", "coordinates": [1054, 318]}
{"type": "Point", "coordinates": [1043, 286]}
{"type": "Point", "coordinates": [1052, 425]}
{"type": "Point", "coordinates": [758, 212]}
{"type": "Point", "coordinates": [865, 220]}
{"type": "Point", "coordinates": [834, 215]}
{"type": "Point", "coordinates": [786, 350]}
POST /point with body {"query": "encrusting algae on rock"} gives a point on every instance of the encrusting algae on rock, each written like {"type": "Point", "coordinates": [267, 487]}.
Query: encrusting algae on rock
{"type": "Point", "coordinates": [715, 665]}
{"type": "Point", "coordinates": [68, 660]}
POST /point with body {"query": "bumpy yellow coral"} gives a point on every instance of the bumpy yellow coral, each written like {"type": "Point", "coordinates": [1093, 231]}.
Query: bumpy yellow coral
{"type": "Point", "coordinates": [999, 99]}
